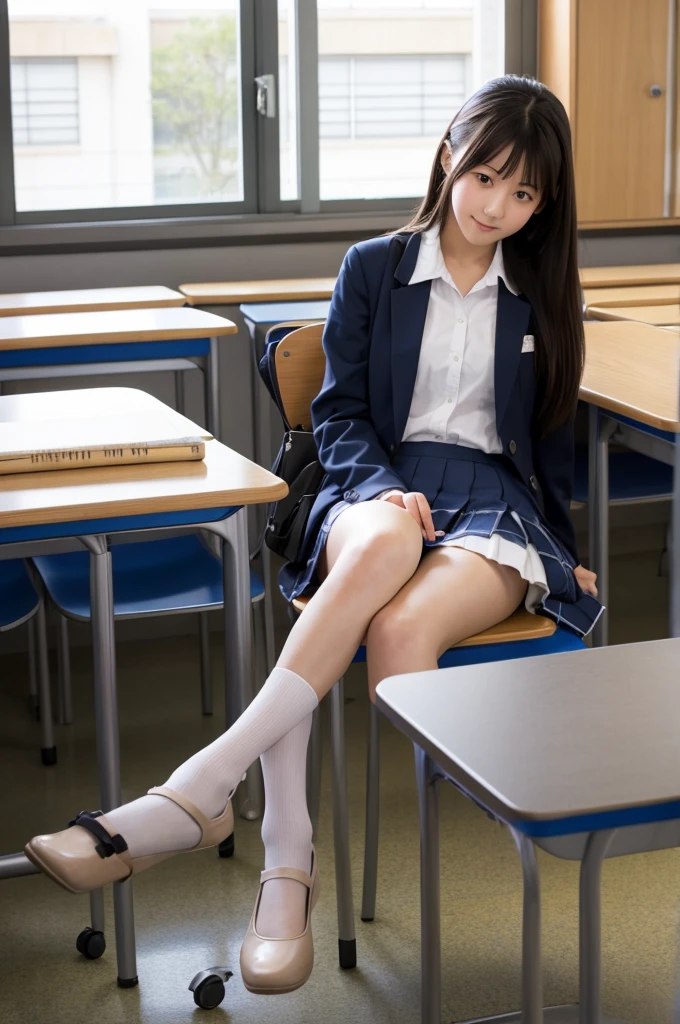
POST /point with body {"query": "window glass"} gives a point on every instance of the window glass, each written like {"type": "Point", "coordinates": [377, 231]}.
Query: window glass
{"type": "Point", "coordinates": [125, 103]}
{"type": "Point", "coordinates": [392, 74]}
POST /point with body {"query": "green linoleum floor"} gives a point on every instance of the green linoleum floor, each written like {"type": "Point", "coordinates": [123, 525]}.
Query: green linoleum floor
{"type": "Point", "coordinates": [192, 912]}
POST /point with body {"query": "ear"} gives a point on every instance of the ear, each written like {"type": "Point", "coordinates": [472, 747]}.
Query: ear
{"type": "Point", "coordinates": [446, 157]}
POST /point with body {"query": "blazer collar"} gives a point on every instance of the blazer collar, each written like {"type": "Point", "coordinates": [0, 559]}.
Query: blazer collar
{"type": "Point", "coordinates": [408, 313]}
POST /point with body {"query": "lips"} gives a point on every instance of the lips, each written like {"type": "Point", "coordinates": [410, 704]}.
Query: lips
{"type": "Point", "coordinates": [484, 227]}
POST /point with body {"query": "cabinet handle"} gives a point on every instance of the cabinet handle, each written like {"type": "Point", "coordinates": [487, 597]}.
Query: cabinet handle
{"type": "Point", "coordinates": [655, 91]}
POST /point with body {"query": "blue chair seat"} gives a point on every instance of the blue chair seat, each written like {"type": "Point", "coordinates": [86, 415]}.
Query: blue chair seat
{"type": "Point", "coordinates": [176, 574]}
{"type": "Point", "coordinates": [18, 597]}
{"type": "Point", "coordinates": [632, 477]}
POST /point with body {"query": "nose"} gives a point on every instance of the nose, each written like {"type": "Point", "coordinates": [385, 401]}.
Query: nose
{"type": "Point", "coordinates": [495, 206]}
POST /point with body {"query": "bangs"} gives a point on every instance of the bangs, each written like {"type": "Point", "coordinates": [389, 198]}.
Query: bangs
{"type": "Point", "coordinates": [534, 148]}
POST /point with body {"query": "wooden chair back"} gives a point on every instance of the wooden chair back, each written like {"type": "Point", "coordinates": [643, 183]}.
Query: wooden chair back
{"type": "Point", "coordinates": [300, 366]}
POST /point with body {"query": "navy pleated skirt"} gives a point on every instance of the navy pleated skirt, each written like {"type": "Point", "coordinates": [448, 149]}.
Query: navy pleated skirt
{"type": "Point", "coordinates": [474, 495]}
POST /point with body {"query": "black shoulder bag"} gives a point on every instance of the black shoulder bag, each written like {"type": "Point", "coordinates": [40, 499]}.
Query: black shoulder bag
{"type": "Point", "coordinates": [298, 464]}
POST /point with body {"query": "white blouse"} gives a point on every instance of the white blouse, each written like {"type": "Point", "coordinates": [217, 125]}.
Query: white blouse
{"type": "Point", "coordinates": [453, 398]}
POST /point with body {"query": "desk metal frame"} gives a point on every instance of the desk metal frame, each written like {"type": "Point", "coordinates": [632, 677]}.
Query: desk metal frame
{"type": "Point", "coordinates": [603, 429]}
{"type": "Point", "coordinates": [428, 775]}
{"type": "Point", "coordinates": [232, 532]}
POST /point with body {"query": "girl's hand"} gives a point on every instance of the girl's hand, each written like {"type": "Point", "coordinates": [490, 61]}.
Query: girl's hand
{"type": "Point", "coordinates": [416, 504]}
{"type": "Point", "coordinates": [586, 580]}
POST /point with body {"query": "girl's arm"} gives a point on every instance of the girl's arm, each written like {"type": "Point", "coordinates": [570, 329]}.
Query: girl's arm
{"type": "Point", "coordinates": [554, 467]}
{"type": "Point", "coordinates": [349, 448]}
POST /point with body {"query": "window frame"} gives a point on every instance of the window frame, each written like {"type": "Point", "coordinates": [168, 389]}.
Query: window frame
{"type": "Point", "coordinates": [262, 217]}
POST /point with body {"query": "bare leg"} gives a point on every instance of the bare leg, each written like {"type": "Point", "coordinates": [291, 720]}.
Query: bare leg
{"type": "Point", "coordinates": [453, 594]}
{"type": "Point", "coordinates": [372, 550]}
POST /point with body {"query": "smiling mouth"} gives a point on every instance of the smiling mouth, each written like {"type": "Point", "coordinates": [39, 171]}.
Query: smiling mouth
{"type": "Point", "coordinates": [489, 227]}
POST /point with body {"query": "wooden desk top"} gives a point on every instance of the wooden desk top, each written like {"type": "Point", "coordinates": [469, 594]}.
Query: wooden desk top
{"type": "Point", "coordinates": [222, 479]}
{"type": "Point", "coordinates": [632, 368]}
{"type": "Point", "coordinates": [638, 295]}
{"type": "Point", "coordinates": [59, 329]}
{"type": "Point", "coordinates": [548, 738]}
{"type": "Point", "coordinates": [87, 404]}
{"type": "Point", "coordinates": [233, 293]}
{"type": "Point", "coordinates": [89, 299]}
{"type": "Point", "coordinates": [667, 315]}
{"type": "Point", "coordinates": [652, 273]}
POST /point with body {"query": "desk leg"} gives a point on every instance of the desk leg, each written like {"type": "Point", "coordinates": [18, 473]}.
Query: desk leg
{"type": "Point", "coordinates": [238, 643]}
{"type": "Point", "coordinates": [211, 385]}
{"type": "Point", "coordinates": [430, 928]}
{"type": "Point", "coordinates": [48, 750]}
{"type": "Point", "coordinates": [674, 545]}
{"type": "Point", "coordinates": [532, 975]}
{"type": "Point", "coordinates": [108, 753]}
{"type": "Point", "coordinates": [179, 391]}
{"type": "Point", "coordinates": [598, 514]}
{"type": "Point", "coordinates": [590, 928]}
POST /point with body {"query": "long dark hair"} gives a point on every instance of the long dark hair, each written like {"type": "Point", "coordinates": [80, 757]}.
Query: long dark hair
{"type": "Point", "coordinates": [541, 259]}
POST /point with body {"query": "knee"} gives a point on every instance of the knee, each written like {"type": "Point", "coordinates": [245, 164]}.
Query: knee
{"type": "Point", "coordinates": [391, 632]}
{"type": "Point", "coordinates": [394, 548]}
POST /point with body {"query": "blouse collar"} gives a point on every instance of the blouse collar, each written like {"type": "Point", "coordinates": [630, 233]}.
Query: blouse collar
{"type": "Point", "coordinates": [430, 265]}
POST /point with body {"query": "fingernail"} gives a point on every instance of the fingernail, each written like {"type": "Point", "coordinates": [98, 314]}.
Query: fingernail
{"type": "Point", "coordinates": [439, 533]}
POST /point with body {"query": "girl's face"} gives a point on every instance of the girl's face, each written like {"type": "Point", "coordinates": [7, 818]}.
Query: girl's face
{"type": "Point", "coordinates": [488, 207]}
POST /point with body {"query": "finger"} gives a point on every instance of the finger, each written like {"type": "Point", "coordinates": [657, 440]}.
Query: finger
{"type": "Point", "coordinates": [411, 506]}
{"type": "Point", "coordinates": [425, 516]}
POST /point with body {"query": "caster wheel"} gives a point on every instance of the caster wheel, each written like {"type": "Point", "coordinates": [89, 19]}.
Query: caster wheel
{"type": "Point", "coordinates": [91, 944]}
{"type": "Point", "coordinates": [226, 847]}
{"type": "Point", "coordinates": [208, 987]}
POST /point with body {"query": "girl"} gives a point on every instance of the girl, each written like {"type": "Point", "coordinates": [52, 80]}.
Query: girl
{"type": "Point", "coordinates": [445, 424]}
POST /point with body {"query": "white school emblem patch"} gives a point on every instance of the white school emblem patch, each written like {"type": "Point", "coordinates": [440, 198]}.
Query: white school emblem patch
{"type": "Point", "coordinates": [528, 343]}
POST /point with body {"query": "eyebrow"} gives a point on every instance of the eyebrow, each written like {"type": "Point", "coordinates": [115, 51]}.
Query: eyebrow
{"type": "Point", "coordinates": [528, 183]}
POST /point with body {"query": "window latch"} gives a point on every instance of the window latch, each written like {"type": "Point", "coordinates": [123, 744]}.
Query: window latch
{"type": "Point", "coordinates": [266, 95]}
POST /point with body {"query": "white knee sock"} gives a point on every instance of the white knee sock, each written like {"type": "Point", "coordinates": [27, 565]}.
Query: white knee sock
{"type": "Point", "coordinates": [286, 827]}
{"type": "Point", "coordinates": [154, 824]}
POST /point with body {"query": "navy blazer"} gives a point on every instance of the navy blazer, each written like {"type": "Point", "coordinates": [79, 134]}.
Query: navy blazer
{"type": "Point", "coordinates": [372, 343]}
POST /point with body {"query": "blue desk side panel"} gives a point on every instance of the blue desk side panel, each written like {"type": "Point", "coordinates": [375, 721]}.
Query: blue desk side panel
{"type": "Point", "coordinates": [110, 353]}
{"type": "Point", "coordinates": [278, 312]}
{"type": "Point", "coordinates": [117, 524]}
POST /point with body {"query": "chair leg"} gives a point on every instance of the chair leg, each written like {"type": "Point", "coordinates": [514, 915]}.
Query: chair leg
{"type": "Point", "coordinates": [48, 750]}
{"type": "Point", "coordinates": [64, 687]}
{"type": "Point", "coordinates": [314, 769]}
{"type": "Point", "coordinates": [372, 816]}
{"type": "Point", "coordinates": [33, 703]}
{"type": "Point", "coordinates": [268, 603]}
{"type": "Point", "coordinates": [206, 675]}
{"type": "Point", "coordinates": [347, 943]}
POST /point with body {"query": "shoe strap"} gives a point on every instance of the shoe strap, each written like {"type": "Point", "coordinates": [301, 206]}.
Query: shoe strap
{"type": "Point", "coordinates": [182, 801]}
{"type": "Point", "coordinates": [108, 844]}
{"type": "Point", "coordinates": [297, 876]}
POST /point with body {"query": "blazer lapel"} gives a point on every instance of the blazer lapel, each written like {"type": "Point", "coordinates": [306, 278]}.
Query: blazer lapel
{"type": "Point", "coordinates": [512, 321]}
{"type": "Point", "coordinates": [409, 308]}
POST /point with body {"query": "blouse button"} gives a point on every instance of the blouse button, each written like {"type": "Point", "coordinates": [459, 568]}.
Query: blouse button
{"type": "Point", "coordinates": [455, 359]}
{"type": "Point", "coordinates": [449, 399]}
{"type": "Point", "coordinates": [460, 320]}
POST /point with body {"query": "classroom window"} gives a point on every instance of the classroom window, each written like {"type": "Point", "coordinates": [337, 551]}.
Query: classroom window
{"type": "Point", "coordinates": [44, 102]}
{"type": "Point", "coordinates": [148, 109]}
{"type": "Point", "coordinates": [145, 110]}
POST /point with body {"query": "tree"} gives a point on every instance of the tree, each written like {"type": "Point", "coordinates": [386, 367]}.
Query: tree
{"type": "Point", "coordinates": [194, 88]}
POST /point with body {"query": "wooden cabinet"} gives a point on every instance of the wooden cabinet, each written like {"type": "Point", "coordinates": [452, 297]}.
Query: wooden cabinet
{"type": "Point", "coordinates": [609, 62]}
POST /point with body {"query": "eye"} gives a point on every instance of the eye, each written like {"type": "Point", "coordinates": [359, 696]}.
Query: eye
{"type": "Point", "coordinates": [484, 178]}
{"type": "Point", "coordinates": [526, 195]}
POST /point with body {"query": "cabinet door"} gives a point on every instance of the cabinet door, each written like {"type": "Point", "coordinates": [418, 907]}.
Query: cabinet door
{"type": "Point", "coordinates": [621, 125]}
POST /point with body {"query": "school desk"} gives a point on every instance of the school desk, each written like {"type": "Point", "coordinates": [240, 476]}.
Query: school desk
{"type": "Point", "coordinates": [45, 346]}
{"type": "Point", "coordinates": [88, 300]}
{"type": "Point", "coordinates": [70, 509]}
{"type": "Point", "coordinates": [631, 384]}
{"type": "Point", "coordinates": [233, 293]}
{"type": "Point", "coordinates": [666, 315]}
{"type": "Point", "coordinates": [633, 295]}
{"type": "Point", "coordinates": [615, 277]}
{"type": "Point", "coordinates": [577, 754]}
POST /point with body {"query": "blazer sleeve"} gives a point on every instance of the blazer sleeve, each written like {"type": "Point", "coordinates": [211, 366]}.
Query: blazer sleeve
{"type": "Point", "coordinates": [349, 448]}
{"type": "Point", "coordinates": [553, 458]}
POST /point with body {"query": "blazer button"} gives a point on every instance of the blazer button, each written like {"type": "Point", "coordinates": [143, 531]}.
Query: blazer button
{"type": "Point", "coordinates": [347, 495]}
{"type": "Point", "coordinates": [534, 482]}
{"type": "Point", "coordinates": [512, 447]}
